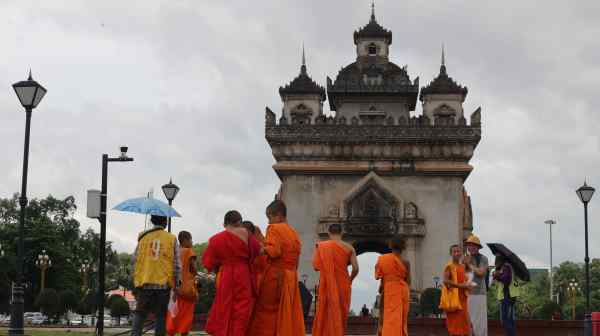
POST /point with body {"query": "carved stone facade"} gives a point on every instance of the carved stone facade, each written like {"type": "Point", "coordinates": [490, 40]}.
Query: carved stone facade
{"type": "Point", "coordinates": [375, 166]}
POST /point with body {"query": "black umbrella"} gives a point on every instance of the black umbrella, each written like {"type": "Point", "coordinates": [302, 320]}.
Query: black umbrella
{"type": "Point", "coordinates": [518, 265]}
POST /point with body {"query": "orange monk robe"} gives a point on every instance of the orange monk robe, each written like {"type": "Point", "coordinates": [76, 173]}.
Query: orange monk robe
{"type": "Point", "coordinates": [278, 308]}
{"type": "Point", "coordinates": [232, 306]}
{"type": "Point", "coordinates": [396, 296]}
{"type": "Point", "coordinates": [331, 259]}
{"type": "Point", "coordinates": [260, 263]}
{"type": "Point", "coordinates": [186, 300]}
{"type": "Point", "coordinates": [458, 322]}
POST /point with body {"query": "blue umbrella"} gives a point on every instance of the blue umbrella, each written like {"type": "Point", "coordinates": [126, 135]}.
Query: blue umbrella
{"type": "Point", "coordinates": [147, 206]}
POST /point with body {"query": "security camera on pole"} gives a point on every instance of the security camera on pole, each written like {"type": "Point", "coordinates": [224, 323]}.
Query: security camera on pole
{"type": "Point", "coordinates": [97, 209]}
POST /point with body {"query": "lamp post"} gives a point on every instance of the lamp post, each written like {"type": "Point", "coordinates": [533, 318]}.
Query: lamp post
{"type": "Point", "coordinates": [102, 253]}
{"type": "Point", "coordinates": [30, 93]}
{"type": "Point", "coordinates": [551, 222]}
{"type": "Point", "coordinates": [84, 269]}
{"type": "Point", "coordinates": [572, 289]}
{"type": "Point", "coordinates": [43, 262]}
{"type": "Point", "coordinates": [585, 194]}
{"type": "Point", "coordinates": [1, 251]}
{"type": "Point", "coordinates": [170, 190]}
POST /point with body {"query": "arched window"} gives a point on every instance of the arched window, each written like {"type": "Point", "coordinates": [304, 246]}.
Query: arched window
{"type": "Point", "coordinates": [372, 48]}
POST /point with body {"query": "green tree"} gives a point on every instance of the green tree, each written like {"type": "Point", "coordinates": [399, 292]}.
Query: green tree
{"type": "Point", "coordinates": [50, 226]}
{"type": "Point", "coordinates": [68, 301]}
{"type": "Point", "coordinates": [118, 307]}
{"type": "Point", "coordinates": [49, 302]}
{"type": "Point", "coordinates": [88, 304]}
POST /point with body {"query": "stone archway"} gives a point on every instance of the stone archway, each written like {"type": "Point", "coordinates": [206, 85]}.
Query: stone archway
{"type": "Point", "coordinates": [376, 246]}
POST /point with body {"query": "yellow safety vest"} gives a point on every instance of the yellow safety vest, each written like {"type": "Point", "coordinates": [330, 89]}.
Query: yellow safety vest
{"type": "Point", "coordinates": [155, 259]}
{"type": "Point", "coordinates": [514, 289]}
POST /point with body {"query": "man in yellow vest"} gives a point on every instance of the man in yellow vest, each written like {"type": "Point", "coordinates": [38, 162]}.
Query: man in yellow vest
{"type": "Point", "coordinates": [157, 271]}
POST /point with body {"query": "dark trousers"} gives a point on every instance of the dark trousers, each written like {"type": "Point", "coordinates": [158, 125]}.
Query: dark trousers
{"type": "Point", "coordinates": [507, 316]}
{"type": "Point", "coordinates": [150, 301]}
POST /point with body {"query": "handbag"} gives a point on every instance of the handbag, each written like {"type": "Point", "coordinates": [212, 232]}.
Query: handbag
{"type": "Point", "coordinates": [449, 300]}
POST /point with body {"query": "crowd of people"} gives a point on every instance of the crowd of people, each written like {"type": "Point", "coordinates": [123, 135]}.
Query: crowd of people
{"type": "Point", "coordinates": [258, 292]}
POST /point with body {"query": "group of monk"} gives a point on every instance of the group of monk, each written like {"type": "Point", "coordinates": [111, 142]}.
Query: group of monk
{"type": "Point", "coordinates": [257, 287]}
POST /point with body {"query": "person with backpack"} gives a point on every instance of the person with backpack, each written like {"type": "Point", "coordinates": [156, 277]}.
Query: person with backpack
{"type": "Point", "coordinates": [478, 263]}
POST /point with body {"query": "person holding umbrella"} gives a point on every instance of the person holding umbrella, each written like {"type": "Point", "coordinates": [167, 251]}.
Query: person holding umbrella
{"type": "Point", "coordinates": [157, 271]}
{"type": "Point", "coordinates": [508, 292]}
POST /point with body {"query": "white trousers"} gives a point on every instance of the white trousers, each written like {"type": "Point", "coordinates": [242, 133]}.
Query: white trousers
{"type": "Point", "coordinates": [478, 314]}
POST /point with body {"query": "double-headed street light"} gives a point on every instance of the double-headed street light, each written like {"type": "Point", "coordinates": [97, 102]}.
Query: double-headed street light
{"type": "Point", "coordinates": [585, 194]}
{"type": "Point", "coordinates": [30, 93]}
{"type": "Point", "coordinates": [43, 262]}
{"type": "Point", "coordinates": [170, 190]}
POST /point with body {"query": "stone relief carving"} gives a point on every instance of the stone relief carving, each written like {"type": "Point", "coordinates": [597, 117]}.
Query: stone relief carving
{"type": "Point", "coordinates": [411, 211]}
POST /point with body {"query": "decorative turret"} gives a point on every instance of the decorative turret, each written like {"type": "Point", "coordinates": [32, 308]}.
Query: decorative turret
{"type": "Point", "coordinates": [302, 98]}
{"type": "Point", "coordinates": [442, 99]}
{"type": "Point", "coordinates": [372, 40]}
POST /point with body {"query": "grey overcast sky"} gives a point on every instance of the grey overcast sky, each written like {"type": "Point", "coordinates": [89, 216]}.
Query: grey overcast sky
{"type": "Point", "coordinates": [184, 85]}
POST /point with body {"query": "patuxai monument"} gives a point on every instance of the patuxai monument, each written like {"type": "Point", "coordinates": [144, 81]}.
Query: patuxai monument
{"type": "Point", "coordinates": [376, 165]}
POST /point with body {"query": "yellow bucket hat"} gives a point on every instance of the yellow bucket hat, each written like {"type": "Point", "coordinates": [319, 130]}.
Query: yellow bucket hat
{"type": "Point", "coordinates": [473, 239]}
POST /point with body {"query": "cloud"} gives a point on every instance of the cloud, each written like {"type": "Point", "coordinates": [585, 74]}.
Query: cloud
{"type": "Point", "coordinates": [184, 84]}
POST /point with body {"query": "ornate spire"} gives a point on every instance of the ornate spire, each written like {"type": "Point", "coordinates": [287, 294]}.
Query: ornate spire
{"type": "Point", "coordinates": [373, 29]}
{"type": "Point", "coordinates": [303, 66]}
{"type": "Point", "coordinates": [443, 65]}
{"type": "Point", "coordinates": [30, 78]}
{"type": "Point", "coordinates": [302, 84]}
{"type": "Point", "coordinates": [373, 11]}
{"type": "Point", "coordinates": [443, 84]}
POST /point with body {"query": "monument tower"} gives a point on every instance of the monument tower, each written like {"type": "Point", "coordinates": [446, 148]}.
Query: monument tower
{"type": "Point", "coordinates": [376, 166]}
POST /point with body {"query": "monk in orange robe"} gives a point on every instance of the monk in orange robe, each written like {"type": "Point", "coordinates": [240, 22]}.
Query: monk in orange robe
{"type": "Point", "coordinates": [394, 273]}
{"type": "Point", "coordinates": [278, 308]}
{"type": "Point", "coordinates": [187, 295]}
{"type": "Point", "coordinates": [458, 321]}
{"type": "Point", "coordinates": [230, 254]}
{"type": "Point", "coordinates": [331, 260]}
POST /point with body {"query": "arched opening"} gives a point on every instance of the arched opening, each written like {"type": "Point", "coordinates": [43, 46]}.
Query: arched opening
{"type": "Point", "coordinates": [365, 288]}
{"type": "Point", "coordinates": [372, 49]}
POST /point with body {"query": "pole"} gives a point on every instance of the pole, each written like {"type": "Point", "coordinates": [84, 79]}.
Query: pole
{"type": "Point", "coordinates": [102, 249]}
{"type": "Point", "coordinates": [16, 311]}
{"type": "Point", "coordinates": [43, 269]}
{"type": "Point", "coordinates": [551, 278]}
{"type": "Point", "coordinates": [588, 317]}
{"type": "Point", "coordinates": [169, 218]}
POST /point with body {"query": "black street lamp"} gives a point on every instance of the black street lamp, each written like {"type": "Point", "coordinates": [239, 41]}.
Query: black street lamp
{"type": "Point", "coordinates": [30, 93]}
{"type": "Point", "coordinates": [102, 253]}
{"type": "Point", "coordinates": [170, 190]}
{"type": "Point", "coordinates": [585, 194]}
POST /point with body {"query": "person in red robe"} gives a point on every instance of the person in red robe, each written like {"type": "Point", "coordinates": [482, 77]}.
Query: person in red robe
{"type": "Point", "coordinates": [231, 254]}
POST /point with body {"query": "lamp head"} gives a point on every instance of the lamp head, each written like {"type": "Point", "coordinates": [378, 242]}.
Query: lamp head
{"type": "Point", "coordinates": [29, 92]}
{"type": "Point", "coordinates": [585, 193]}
